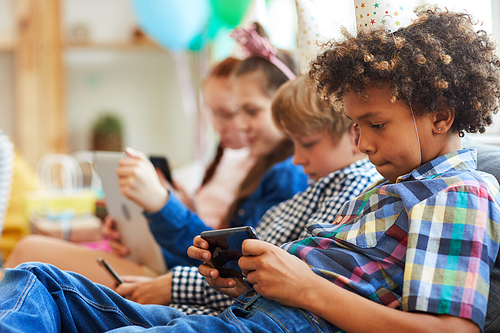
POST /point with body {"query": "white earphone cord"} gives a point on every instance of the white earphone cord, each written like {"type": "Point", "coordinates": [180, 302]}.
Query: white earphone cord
{"type": "Point", "coordinates": [416, 132]}
{"type": "Point", "coordinates": [414, 122]}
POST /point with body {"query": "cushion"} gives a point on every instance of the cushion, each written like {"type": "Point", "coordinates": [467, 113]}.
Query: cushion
{"type": "Point", "coordinates": [488, 160]}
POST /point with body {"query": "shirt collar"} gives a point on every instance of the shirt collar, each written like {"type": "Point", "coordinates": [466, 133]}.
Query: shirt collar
{"type": "Point", "coordinates": [458, 160]}
{"type": "Point", "coordinates": [362, 163]}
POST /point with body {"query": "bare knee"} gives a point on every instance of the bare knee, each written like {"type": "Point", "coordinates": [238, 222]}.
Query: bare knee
{"type": "Point", "coordinates": [29, 248]}
{"type": "Point", "coordinates": [31, 242]}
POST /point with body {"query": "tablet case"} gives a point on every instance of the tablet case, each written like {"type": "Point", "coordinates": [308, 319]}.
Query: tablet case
{"type": "Point", "coordinates": [130, 221]}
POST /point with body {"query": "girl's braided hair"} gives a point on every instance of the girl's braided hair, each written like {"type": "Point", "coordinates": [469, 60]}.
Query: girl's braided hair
{"type": "Point", "coordinates": [438, 57]}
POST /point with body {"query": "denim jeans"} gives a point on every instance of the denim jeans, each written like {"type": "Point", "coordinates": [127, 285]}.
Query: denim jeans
{"type": "Point", "coordinates": [37, 297]}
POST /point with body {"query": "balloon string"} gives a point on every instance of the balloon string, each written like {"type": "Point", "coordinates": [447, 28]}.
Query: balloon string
{"type": "Point", "coordinates": [185, 82]}
{"type": "Point", "coordinates": [188, 96]}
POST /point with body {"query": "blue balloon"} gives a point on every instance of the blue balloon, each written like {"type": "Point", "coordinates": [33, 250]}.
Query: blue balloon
{"type": "Point", "coordinates": [172, 23]}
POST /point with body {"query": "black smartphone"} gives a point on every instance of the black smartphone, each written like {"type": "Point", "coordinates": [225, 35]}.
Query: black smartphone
{"type": "Point", "coordinates": [161, 163]}
{"type": "Point", "coordinates": [110, 269]}
{"type": "Point", "coordinates": [225, 246]}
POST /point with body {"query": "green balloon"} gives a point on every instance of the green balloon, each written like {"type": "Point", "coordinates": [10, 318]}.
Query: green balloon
{"type": "Point", "coordinates": [197, 43]}
{"type": "Point", "coordinates": [214, 24]}
{"type": "Point", "coordinates": [208, 34]}
{"type": "Point", "coordinates": [230, 11]}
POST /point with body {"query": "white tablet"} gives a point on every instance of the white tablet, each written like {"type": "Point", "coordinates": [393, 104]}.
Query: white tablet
{"type": "Point", "coordinates": [132, 224]}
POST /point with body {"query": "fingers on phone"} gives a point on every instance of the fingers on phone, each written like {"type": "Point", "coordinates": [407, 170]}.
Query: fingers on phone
{"type": "Point", "coordinates": [200, 243]}
{"type": "Point", "coordinates": [199, 254]}
{"type": "Point", "coordinates": [207, 271]}
{"type": "Point", "coordinates": [124, 289]}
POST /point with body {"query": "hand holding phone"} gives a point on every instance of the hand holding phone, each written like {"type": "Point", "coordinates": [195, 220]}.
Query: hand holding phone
{"type": "Point", "coordinates": [110, 270]}
{"type": "Point", "coordinates": [225, 246]}
{"type": "Point", "coordinates": [161, 163]}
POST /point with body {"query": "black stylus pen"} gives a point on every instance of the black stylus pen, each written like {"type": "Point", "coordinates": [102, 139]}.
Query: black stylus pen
{"type": "Point", "coordinates": [110, 269]}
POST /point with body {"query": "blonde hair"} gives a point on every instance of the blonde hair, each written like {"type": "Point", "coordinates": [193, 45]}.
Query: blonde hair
{"type": "Point", "coordinates": [297, 109]}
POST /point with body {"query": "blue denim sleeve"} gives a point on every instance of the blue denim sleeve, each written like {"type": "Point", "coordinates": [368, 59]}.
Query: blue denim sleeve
{"type": "Point", "coordinates": [174, 228]}
{"type": "Point", "coordinates": [280, 183]}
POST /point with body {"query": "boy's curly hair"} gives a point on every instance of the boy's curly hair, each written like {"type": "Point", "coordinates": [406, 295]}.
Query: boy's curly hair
{"type": "Point", "coordinates": [439, 55]}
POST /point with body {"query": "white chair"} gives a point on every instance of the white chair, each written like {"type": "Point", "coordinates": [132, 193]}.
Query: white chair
{"type": "Point", "coordinates": [7, 155]}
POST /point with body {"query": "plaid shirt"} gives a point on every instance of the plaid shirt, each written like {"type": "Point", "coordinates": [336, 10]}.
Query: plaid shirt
{"type": "Point", "coordinates": [282, 223]}
{"type": "Point", "coordinates": [425, 243]}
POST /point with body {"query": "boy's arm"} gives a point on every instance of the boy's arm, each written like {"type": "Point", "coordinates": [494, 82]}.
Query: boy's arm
{"type": "Point", "coordinates": [189, 287]}
{"type": "Point", "coordinates": [286, 279]}
{"type": "Point", "coordinates": [174, 226]}
{"type": "Point", "coordinates": [354, 313]}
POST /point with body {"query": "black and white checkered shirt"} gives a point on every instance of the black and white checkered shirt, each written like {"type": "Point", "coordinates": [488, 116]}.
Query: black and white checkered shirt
{"type": "Point", "coordinates": [283, 223]}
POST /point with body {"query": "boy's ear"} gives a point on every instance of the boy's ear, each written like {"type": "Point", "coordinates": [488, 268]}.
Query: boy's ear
{"type": "Point", "coordinates": [354, 138]}
{"type": "Point", "coordinates": [443, 118]}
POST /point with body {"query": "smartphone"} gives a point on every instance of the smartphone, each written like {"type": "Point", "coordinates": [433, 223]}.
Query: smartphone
{"type": "Point", "coordinates": [161, 163]}
{"type": "Point", "coordinates": [225, 246]}
{"type": "Point", "coordinates": [110, 270]}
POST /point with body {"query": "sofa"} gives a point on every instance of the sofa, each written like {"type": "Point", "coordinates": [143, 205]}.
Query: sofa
{"type": "Point", "coordinates": [488, 160]}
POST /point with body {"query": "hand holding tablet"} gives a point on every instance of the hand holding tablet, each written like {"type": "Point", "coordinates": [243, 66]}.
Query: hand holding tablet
{"type": "Point", "coordinates": [130, 220]}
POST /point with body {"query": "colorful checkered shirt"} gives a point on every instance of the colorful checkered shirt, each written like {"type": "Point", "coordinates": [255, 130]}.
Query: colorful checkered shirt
{"type": "Point", "coordinates": [283, 223]}
{"type": "Point", "coordinates": [425, 243]}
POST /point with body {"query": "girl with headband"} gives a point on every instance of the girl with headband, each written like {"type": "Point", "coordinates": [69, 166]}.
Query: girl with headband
{"type": "Point", "coordinates": [211, 202]}
{"type": "Point", "coordinates": [272, 179]}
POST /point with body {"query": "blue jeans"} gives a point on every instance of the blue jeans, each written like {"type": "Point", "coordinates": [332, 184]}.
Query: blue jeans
{"type": "Point", "coordinates": [37, 297]}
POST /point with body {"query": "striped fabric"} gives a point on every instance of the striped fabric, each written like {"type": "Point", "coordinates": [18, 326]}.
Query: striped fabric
{"type": "Point", "coordinates": [425, 243]}
{"type": "Point", "coordinates": [283, 223]}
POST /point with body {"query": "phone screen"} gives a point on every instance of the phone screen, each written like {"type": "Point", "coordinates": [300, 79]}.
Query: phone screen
{"type": "Point", "coordinates": [225, 246]}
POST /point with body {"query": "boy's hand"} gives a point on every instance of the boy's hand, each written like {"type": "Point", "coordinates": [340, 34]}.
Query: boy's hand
{"type": "Point", "coordinates": [147, 290]}
{"type": "Point", "coordinates": [230, 287]}
{"type": "Point", "coordinates": [139, 182]}
{"type": "Point", "coordinates": [275, 273]}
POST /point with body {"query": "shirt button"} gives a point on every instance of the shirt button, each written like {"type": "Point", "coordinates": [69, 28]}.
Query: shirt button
{"type": "Point", "coordinates": [241, 212]}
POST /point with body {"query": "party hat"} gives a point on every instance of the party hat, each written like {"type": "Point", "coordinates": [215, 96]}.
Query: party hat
{"type": "Point", "coordinates": [315, 28]}
{"type": "Point", "coordinates": [388, 14]}
{"type": "Point", "coordinates": [311, 30]}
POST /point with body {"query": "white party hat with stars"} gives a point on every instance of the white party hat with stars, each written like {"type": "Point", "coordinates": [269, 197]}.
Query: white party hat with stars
{"type": "Point", "coordinates": [311, 30]}
{"type": "Point", "coordinates": [388, 14]}
{"type": "Point", "coordinates": [315, 27]}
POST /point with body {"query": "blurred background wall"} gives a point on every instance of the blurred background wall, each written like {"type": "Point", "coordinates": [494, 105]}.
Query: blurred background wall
{"type": "Point", "coordinates": [65, 62]}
